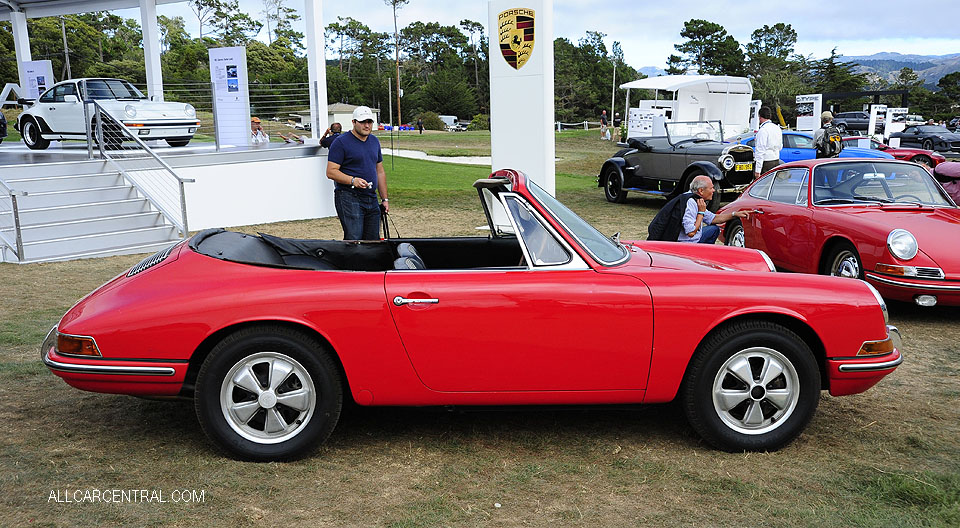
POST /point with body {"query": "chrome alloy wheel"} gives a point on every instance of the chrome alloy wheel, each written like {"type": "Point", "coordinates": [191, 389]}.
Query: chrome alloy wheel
{"type": "Point", "coordinates": [268, 397]}
{"type": "Point", "coordinates": [737, 239]}
{"type": "Point", "coordinates": [845, 264]}
{"type": "Point", "coordinates": [756, 390]}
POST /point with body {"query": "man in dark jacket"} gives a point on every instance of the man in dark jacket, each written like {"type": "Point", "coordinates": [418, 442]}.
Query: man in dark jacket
{"type": "Point", "coordinates": [666, 225]}
{"type": "Point", "coordinates": [686, 218]}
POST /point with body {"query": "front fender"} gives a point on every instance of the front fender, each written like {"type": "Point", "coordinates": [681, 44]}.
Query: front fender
{"type": "Point", "coordinates": [615, 162]}
{"type": "Point", "coordinates": [707, 167]}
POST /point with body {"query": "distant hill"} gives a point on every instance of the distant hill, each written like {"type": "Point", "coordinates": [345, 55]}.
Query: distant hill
{"type": "Point", "coordinates": [929, 68]}
{"type": "Point", "coordinates": [652, 71]}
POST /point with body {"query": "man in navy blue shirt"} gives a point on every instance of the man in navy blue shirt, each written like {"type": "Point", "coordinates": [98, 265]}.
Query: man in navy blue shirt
{"type": "Point", "coordinates": [355, 164]}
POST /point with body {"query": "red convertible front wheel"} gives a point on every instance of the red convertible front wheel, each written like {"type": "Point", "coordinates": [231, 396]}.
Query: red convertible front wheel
{"type": "Point", "coordinates": [752, 386]}
{"type": "Point", "coordinates": [268, 394]}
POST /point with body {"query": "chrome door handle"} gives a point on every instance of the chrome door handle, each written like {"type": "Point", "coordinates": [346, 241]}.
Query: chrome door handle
{"type": "Point", "coordinates": [400, 301]}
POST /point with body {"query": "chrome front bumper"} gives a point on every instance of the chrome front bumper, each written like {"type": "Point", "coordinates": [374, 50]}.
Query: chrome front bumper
{"type": "Point", "coordinates": [893, 334]}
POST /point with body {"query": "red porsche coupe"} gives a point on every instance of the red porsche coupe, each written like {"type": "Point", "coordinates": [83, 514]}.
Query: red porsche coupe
{"type": "Point", "coordinates": [888, 222]}
{"type": "Point", "coordinates": [269, 336]}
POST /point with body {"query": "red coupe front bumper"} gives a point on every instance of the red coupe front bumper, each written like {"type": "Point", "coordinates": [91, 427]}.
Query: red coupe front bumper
{"type": "Point", "coordinates": [854, 375]}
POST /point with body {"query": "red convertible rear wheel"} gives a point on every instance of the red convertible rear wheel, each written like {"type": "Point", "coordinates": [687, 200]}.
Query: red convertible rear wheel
{"type": "Point", "coordinates": [268, 394]}
{"type": "Point", "coordinates": [752, 386]}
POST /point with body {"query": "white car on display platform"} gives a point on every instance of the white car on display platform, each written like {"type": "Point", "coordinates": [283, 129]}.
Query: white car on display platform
{"type": "Point", "coordinates": [59, 114]}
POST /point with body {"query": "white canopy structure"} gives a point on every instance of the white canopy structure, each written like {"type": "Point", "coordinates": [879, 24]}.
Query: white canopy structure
{"type": "Point", "coordinates": [698, 98]}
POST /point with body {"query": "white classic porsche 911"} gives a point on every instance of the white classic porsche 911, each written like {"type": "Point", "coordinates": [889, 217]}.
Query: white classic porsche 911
{"type": "Point", "coordinates": [59, 114]}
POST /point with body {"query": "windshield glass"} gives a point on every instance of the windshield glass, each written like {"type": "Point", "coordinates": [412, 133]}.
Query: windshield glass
{"type": "Point", "coordinates": [600, 247]}
{"type": "Point", "coordinates": [101, 89]}
{"type": "Point", "coordinates": [696, 130]}
{"type": "Point", "coordinates": [865, 182]}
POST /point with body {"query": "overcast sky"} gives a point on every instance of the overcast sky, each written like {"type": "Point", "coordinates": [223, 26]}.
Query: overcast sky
{"type": "Point", "coordinates": [648, 30]}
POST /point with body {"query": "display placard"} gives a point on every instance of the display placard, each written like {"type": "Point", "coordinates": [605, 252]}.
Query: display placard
{"type": "Point", "coordinates": [228, 72]}
{"type": "Point", "coordinates": [39, 77]}
{"type": "Point", "coordinates": [755, 115]}
{"type": "Point", "coordinates": [808, 109]}
{"type": "Point", "coordinates": [878, 114]}
{"type": "Point", "coordinates": [645, 123]}
{"type": "Point", "coordinates": [896, 121]}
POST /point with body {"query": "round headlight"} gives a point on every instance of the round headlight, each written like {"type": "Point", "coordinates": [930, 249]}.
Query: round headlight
{"type": "Point", "coordinates": [902, 244]}
{"type": "Point", "coordinates": [130, 111]}
{"type": "Point", "coordinates": [726, 161]}
{"type": "Point", "coordinates": [189, 110]}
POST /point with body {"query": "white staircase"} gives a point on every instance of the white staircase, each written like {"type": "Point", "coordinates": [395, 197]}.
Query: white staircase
{"type": "Point", "coordinates": [78, 210]}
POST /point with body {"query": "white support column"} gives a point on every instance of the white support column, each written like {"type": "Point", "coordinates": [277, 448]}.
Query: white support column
{"type": "Point", "coordinates": [316, 66]}
{"type": "Point", "coordinates": [21, 42]}
{"type": "Point", "coordinates": [521, 89]}
{"type": "Point", "coordinates": [151, 48]}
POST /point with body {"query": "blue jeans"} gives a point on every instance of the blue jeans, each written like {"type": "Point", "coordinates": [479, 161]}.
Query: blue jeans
{"type": "Point", "coordinates": [359, 214]}
{"type": "Point", "coordinates": [709, 234]}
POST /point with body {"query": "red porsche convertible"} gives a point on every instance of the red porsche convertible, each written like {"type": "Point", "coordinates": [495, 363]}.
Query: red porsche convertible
{"type": "Point", "coordinates": [888, 222]}
{"type": "Point", "coordinates": [269, 336]}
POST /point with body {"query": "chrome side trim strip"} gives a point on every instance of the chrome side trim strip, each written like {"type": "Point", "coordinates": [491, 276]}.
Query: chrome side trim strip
{"type": "Point", "coordinates": [107, 369]}
{"type": "Point", "coordinates": [892, 282]}
{"type": "Point", "coordinates": [870, 367]}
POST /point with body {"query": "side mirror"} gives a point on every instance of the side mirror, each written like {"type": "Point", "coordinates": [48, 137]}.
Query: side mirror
{"type": "Point", "coordinates": [70, 98]}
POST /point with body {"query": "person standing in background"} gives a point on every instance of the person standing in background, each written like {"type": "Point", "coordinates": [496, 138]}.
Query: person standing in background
{"type": "Point", "coordinates": [767, 145]}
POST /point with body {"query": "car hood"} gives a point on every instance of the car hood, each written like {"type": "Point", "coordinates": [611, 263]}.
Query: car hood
{"type": "Point", "coordinates": [705, 148]}
{"type": "Point", "coordinates": [859, 152]}
{"type": "Point", "coordinates": [147, 109]}
{"type": "Point", "coordinates": [934, 228]}
{"type": "Point", "coordinates": [694, 257]}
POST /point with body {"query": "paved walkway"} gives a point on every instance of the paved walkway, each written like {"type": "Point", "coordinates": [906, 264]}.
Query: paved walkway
{"type": "Point", "coordinates": [416, 154]}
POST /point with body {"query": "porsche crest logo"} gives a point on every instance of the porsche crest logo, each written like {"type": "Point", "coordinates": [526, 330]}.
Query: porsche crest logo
{"type": "Point", "coordinates": [516, 36]}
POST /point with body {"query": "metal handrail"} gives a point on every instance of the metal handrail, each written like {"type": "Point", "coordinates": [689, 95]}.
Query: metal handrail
{"type": "Point", "coordinates": [17, 243]}
{"type": "Point", "coordinates": [181, 222]}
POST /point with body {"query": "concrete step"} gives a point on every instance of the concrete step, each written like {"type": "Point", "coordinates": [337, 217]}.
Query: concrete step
{"type": "Point", "coordinates": [54, 248]}
{"type": "Point", "coordinates": [105, 252]}
{"type": "Point", "coordinates": [67, 213]}
{"type": "Point", "coordinates": [65, 182]}
{"type": "Point", "coordinates": [87, 226]}
{"type": "Point", "coordinates": [76, 196]}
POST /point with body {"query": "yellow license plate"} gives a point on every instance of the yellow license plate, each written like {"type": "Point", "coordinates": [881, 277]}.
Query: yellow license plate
{"type": "Point", "coordinates": [743, 166]}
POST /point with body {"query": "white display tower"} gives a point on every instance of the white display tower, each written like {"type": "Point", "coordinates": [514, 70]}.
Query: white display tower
{"type": "Point", "coordinates": [228, 72]}
{"type": "Point", "coordinates": [521, 88]}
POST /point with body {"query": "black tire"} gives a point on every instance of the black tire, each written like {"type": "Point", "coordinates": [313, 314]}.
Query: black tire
{"type": "Point", "coordinates": [927, 144]}
{"type": "Point", "coordinates": [842, 128]}
{"type": "Point", "coordinates": [736, 414]}
{"type": "Point", "coordinates": [613, 186]}
{"type": "Point", "coordinates": [31, 135]}
{"type": "Point", "coordinates": [297, 385]}
{"type": "Point", "coordinates": [733, 234]}
{"type": "Point", "coordinates": [177, 142]}
{"type": "Point", "coordinates": [923, 160]}
{"type": "Point", "coordinates": [843, 260]}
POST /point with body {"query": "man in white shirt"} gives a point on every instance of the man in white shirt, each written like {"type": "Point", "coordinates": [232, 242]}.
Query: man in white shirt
{"type": "Point", "coordinates": [767, 144]}
{"type": "Point", "coordinates": [257, 135]}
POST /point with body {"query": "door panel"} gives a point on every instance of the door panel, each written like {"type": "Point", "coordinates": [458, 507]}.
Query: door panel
{"type": "Point", "coordinates": [785, 229]}
{"type": "Point", "coordinates": [524, 330]}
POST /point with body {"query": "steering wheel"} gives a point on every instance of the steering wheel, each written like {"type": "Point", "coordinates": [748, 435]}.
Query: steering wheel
{"type": "Point", "coordinates": [915, 198]}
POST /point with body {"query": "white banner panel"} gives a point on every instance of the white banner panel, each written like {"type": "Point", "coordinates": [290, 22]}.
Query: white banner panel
{"type": "Point", "coordinates": [896, 121]}
{"type": "Point", "coordinates": [228, 72]}
{"type": "Point", "coordinates": [878, 113]}
{"type": "Point", "coordinates": [646, 123]}
{"type": "Point", "coordinates": [521, 88]}
{"type": "Point", "coordinates": [39, 78]}
{"type": "Point", "coordinates": [755, 114]}
{"type": "Point", "coordinates": [809, 108]}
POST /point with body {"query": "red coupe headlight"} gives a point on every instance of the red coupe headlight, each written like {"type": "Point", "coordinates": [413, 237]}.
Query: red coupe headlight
{"type": "Point", "coordinates": [77, 345]}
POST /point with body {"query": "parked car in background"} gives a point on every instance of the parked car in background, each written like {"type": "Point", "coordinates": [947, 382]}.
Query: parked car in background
{"type": "Point", "coordinates": [914, 119]}
{"type": "Point", "coordinates": [953, 123]}
{"type": "Point", "coordinates": [58, 114]}
{"type": "Point", "coordinates": [885, 221]}
{"type": "Point", "coordinates": [799, 146]}
{"type": "Point", "coordinates": [269, 336]}
{"type": "Point", "coordinates": [929, 137]}
{"type": "Point", "coordinates": [847, 121]}
{"type": "Point", "coordinates": [664, 166]}
{"type": "Point", "coordinates": [924, 157]}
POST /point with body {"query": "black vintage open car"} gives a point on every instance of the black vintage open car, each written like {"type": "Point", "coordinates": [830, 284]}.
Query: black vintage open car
{"type": "Point", "coordinates": [665, 165]}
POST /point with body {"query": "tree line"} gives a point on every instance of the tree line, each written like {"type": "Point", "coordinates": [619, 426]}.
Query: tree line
{"type": "Point", "coordinates": [443, 69]}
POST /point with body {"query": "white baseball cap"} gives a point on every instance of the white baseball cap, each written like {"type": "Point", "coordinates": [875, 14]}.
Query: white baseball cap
{"type": "Point", "coordinates": [362, 113]}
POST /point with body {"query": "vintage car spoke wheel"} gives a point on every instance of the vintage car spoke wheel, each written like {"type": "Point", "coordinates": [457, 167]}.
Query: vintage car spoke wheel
{"type": "Point", "coordinates": [844, 261]}
{"type": "Point", "coordinates": [31, 136]}
{"type": "Point", "coordinates": [753, 385]}
{"type": "Point", "coordinates": [268, 393]}
{"type": "Point", "coordinates": [927, 144]}
{"type": "Point", "coordinates": [613, 186]}
{"type": "Point", "coordinates": [734, 235]}
{"type": "Point", "coordinates": [923, 160]}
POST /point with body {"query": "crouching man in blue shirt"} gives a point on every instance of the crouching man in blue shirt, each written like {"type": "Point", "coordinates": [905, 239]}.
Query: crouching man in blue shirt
{"type": "Point", "coordinates": [699, 224]}
{"type": "Point", "coordinates": [355, 164]}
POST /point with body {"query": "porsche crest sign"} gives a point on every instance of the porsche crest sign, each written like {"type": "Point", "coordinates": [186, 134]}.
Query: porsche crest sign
{"type": "Point", "coordinates": [516, 36]}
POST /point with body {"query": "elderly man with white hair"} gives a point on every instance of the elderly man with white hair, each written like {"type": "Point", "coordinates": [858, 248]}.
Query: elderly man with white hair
{"type": "Point", "coordinates": [699, 224]}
